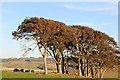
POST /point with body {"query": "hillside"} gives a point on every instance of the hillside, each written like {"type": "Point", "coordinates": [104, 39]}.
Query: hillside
{"type": "Point", "coordinates": [36, 64]}
{"type": "Point", "coordinates": [27, 63]}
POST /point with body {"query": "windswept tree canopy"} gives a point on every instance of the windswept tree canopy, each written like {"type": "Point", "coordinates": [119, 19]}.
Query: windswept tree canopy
{"type": "Point", "coordinates": [54, 33]}
{"type": "Point", "coordinates": [96, 47]}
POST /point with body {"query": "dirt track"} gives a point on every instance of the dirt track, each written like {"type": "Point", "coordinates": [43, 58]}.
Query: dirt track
{"type": "Point", "coordinates": [6, 69]}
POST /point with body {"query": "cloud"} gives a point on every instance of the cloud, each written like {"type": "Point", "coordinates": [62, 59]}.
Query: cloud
{"type": "Point", "coordinates": [97, 6]}
{"type": "Point", "coordinates": [106, 8]}
{"type": "Point", "coordinates": [92, 25]}
{"type": "Point", "coordinates": [87, 24]}
{"type": "Point", "coordinates": [90, 8]}
{"type": "Point", "coordinates": [83, 24]}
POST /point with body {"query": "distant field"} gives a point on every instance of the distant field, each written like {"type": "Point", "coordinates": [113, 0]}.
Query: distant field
{"type": "Point", "coordinates": [8, 66]}
{"type": "Point", "coordinates": [28, 63]}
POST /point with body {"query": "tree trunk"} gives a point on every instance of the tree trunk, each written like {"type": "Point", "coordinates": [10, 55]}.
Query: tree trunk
{"type": "Point", "coordinates": [57, 58]}
{"type": "Point", "coordinates": [96, 73]}
{"type": "Point", "coordinates": [82, 71]}
{"type": "Point", "coordinates": [55, 62]}
{"type": "Point", "coordinates": [103, 73]}
{"type": "Point", "coordinates": [63, 64]}
{"type": "Point", "coordinates": [59, 69]}
{"type": "Point", "coordinates": [87, 71]}
{"type": "Point", "coordinates": [100, 72]}
{"type": "Point", "coordinates": [66, 68]}
{"type": "Point", "coordinates": [79, 72]}
{"type": "Point", "coordinates": [92, 73]}
{"type": "Point", "coordinates": [45, 64]}
{"type": "Point", "coordinates": [44, 57]}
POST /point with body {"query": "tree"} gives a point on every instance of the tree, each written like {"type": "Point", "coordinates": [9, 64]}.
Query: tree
{"type": "Point", "coordinates": [31, 29]}
{"type": "Point", "coordinates": [91, 50]}
{"type": "Point", "coordinates": [86, 42]}
{"type": "Point", "coordinates": [104, 54]}
{"type": "Point", "coordinates": [40, 30]}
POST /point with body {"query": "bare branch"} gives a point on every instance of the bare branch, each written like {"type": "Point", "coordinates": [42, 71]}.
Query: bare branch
{"type": "Point", "coordinates": [52, 56]}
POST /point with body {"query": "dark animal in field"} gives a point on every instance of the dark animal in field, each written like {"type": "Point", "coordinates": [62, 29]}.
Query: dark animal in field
{"type": "Point", "coordinates": [40, 67]}
{"type": "Point", "coordinates": [27, 70]}
{"type": "Point", "coordinates": [16, 70]}
{"type": "Point", "coordinates": [43, 73]}
{"type": "Point", "coordinates": [22, 70]}
{"type": "Point", "coordinates": [32, 70]}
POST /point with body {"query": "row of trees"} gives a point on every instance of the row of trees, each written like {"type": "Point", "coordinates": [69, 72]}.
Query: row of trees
{"type": "Point", "coordinates": [92, 51]}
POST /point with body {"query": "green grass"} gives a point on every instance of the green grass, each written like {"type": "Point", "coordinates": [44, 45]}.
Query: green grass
{"type": "Point", "coordinates": [6, 74]}
{"type": "Point", "coordinates": [110, 75]}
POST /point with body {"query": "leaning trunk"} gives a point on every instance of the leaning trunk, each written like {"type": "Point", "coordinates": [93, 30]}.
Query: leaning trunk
{"type": "Point", "coordinates": [55, 60]}
{"type": "Point", "coordinates": [63, 65]}
{"type": "Point", "coordinates": [66, 67]}
{"type": "Point", "coordinates": [59, 69]}
{"type": "Point", "coordinates": [45, 64]}
{"type": "Point", "coordinates": [92, 73]}
{"type": "Point", "coordinates": [82, 71]}
{"type": "Point", "coordinates": [87, 71]}
{"type": "Point", "coordinates": [102, 72]}
{"type": "Point", "coordinates": [79, 72]}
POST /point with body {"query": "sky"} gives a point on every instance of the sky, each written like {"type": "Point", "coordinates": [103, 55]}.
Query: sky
{"type": "Point", "coordinates": [101, 16]}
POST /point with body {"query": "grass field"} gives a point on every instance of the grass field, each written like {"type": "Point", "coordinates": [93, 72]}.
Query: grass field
{"type": "Point", "coordinates": [9, 74]}
{"type": "Point", "coordinates": [8, 66]}
{"type": "Point", "coordinates": [110, 75]}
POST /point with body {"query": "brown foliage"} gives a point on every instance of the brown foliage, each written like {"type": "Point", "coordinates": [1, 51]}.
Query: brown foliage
{"type": "Point", "coordinates": [84, 42]}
